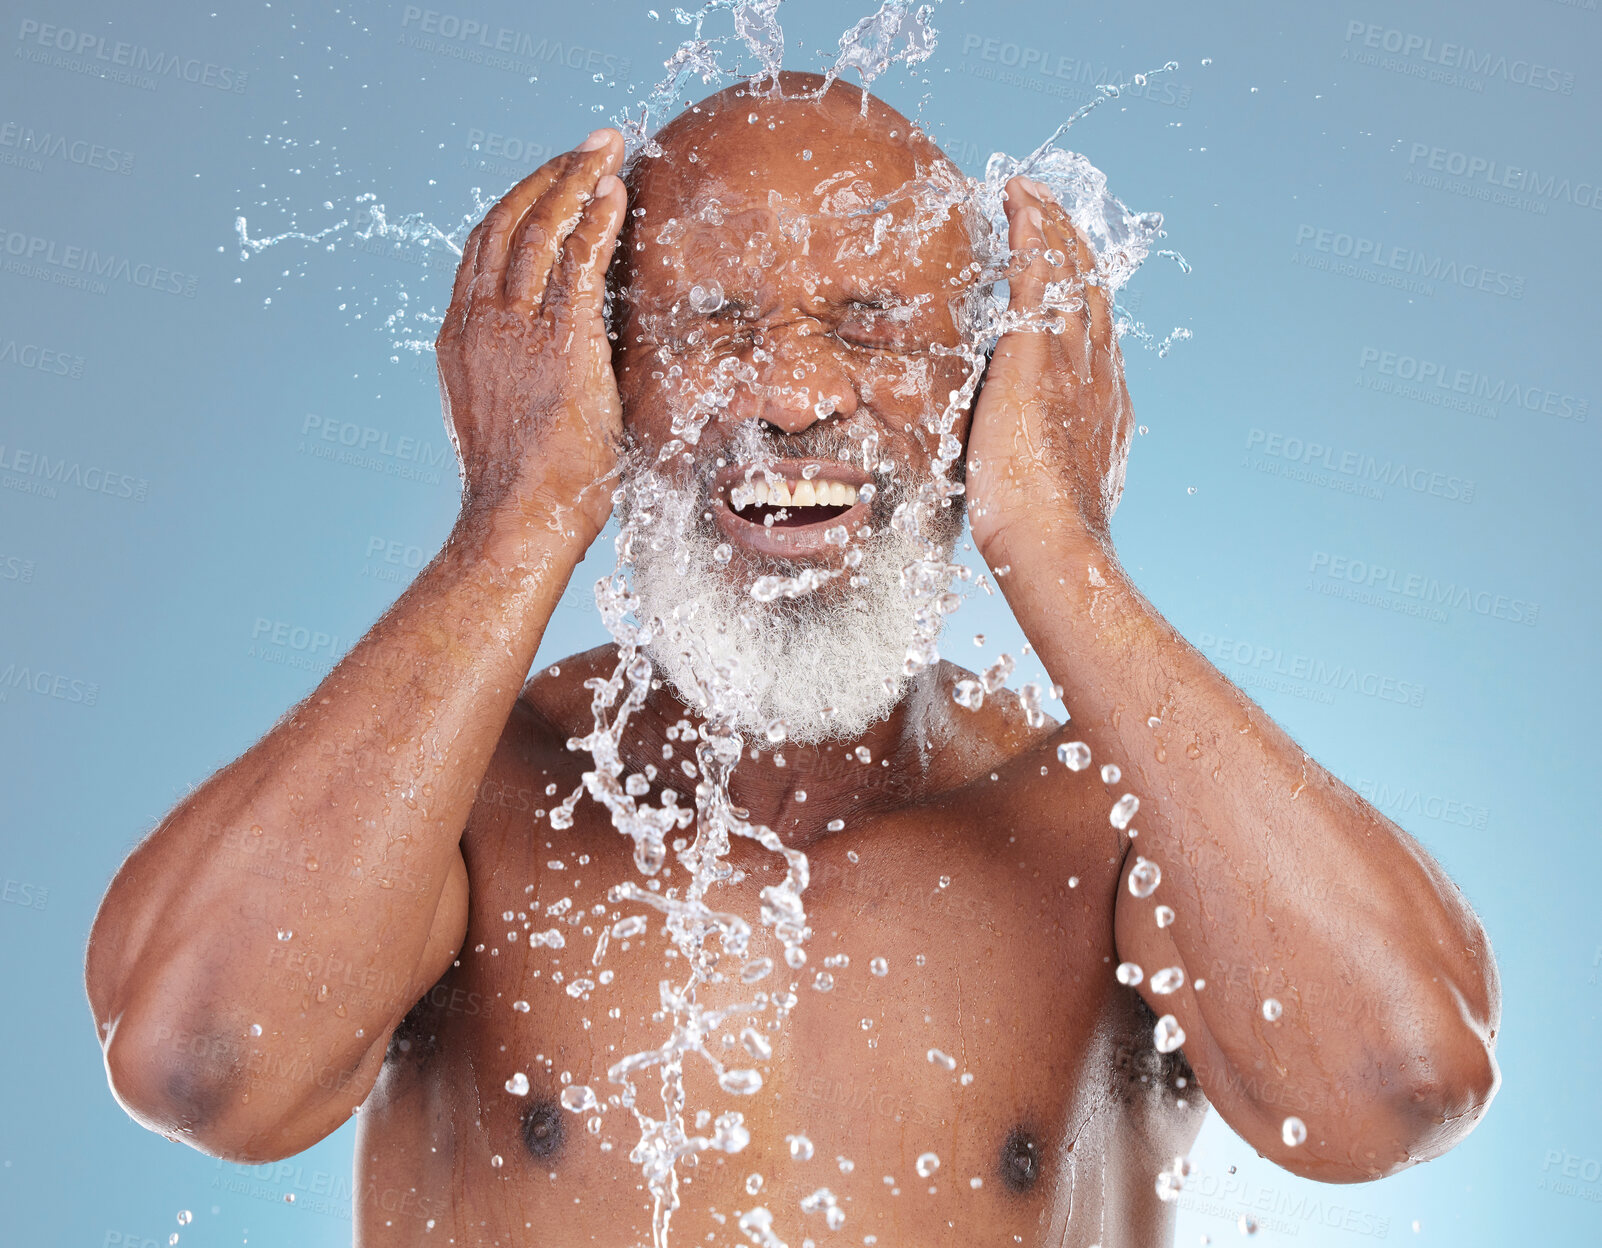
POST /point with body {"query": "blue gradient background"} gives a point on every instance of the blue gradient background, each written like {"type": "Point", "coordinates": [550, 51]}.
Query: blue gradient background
{"type": "Point", "coordinates": [205, 399]}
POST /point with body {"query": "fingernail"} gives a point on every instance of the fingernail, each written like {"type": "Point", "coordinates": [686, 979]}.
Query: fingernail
{"type": "Point", "coordinates": [607, 184]}
{"type": "Point", "coordinates": [597, 140]}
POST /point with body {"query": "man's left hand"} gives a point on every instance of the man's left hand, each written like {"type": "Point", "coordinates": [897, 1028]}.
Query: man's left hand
{"type": "Point", "coordinates": [1052, 424]}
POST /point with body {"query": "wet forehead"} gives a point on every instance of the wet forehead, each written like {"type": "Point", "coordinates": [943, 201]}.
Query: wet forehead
{"type": "Point", "coordinates": [829, 202]}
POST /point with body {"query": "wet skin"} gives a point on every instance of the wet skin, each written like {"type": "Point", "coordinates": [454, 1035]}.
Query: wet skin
{"type": "Point", "coordinates": [418, 772]}
{"type": "Point", "coordinates": [1069, 1114]}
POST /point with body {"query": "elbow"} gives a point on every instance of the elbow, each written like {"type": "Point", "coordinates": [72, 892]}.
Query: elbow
{"type": "Point", "coordinates": [176, 1084]}
{"type": "Point", "coordinates": [1445, 1094]}
{"type": "Point", "coordinates": [192, 1088]}
{"type": "Point", "coordinates": [1390, 1113]}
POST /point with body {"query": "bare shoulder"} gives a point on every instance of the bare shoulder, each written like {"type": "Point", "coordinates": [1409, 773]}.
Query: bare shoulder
{"type": "Point", "coordinates": [967, 741]}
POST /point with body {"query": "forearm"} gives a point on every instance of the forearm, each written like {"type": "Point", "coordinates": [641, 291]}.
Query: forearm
{"type": "Point", "coordinates": [1281, 880]}
{"type": "Point", "coordinates": [296, 892]}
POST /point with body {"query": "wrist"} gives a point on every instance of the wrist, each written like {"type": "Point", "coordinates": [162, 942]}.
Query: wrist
{"type": "Point", "coordinates": [1053, 532]}
{"type": "Point", "coordinates": [529, 529]}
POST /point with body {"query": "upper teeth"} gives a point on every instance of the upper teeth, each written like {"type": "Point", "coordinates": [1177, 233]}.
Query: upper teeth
{"type": "Point", "coordinates": [800, 494]}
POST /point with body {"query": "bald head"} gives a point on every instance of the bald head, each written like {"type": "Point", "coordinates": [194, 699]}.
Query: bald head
{"type": "Point", "coordinates": [794, 204]}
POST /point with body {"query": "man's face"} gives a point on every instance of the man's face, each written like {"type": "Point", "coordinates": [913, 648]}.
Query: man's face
{"type": "Point", "coordinates": [788, 307]}
{"type": "Point", "coordinates": [788, 311]}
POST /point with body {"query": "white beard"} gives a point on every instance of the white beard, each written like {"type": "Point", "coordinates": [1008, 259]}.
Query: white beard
{"type": "Point", "coordinates": [827, 669]}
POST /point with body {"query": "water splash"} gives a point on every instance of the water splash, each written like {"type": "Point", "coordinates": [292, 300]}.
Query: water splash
{"type": "Point", "coordinates": [699, 836]}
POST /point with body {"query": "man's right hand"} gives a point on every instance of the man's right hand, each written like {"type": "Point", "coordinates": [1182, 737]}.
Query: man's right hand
{"type": "Point", "coordinates": [524, 363]}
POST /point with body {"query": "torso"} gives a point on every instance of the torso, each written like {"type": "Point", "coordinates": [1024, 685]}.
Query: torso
{"type": "Point", "coordinates": [1066, 1119]}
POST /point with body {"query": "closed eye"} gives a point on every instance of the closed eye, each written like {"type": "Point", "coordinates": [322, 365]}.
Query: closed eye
{"type": "Point", "coordinates": [876, 325]}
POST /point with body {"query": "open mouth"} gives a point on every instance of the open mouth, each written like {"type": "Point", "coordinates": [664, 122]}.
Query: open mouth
{"type": "Point", "coordinates": [808, 502]}
{"type": "Point", "coordinates": [797, 507]}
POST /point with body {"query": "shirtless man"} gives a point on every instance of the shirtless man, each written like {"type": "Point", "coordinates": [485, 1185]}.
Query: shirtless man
{"type": "Point", "coordinates": [339, 920]}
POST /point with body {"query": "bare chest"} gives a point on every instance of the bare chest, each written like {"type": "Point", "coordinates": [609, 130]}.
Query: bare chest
{"type": "Point", "coordinates": [950, 1049]}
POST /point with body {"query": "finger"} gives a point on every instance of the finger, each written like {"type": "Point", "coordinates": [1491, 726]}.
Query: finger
{"type": "Point", "coordinates": [1026, 238]}
{"type": "Point", "coordinates": [502, 221]}
{"type": "Point", "coordinates": [545, 227]}
{"type": "Point", "coordinates": [579, 284]}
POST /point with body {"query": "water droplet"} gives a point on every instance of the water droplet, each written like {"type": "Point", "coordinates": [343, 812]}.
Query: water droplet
{"type": "Point", "coordinates": [976, 1182]}
{"type": "Point", "coordinates": [706, 297]}
{"type": "Point", "coordinates": [520, 1006]}
{"type": "Point", "coordinates": [1074, 755]}
{"type": "Point", "coordinates": [753, 1184]}
{"type": "Point", "coordinates": [185, 1217]}
{"type": "Point", "coordinates": [756, 969]}
{"type": "Point", "coordinates": [1168, 1035]}
{"type": "Point", "coordinates": [800, 1147]}
{"type": "Point", "coordinates": [1293, 1131]}
{"type": "Point", "coordinates": [879, 967]}
{"type": "Point", "coordinates": [740, 1082]}
{"type": "Point", "coordinates": [835, 825]}
{"type": "Point", "coordinates": [1144, 877]}
{"type": "Point", "coordinates": [927, 1164]}
{"type": "Point", "coordinates": [1169, 979]}
{"type": "Point", "coordinates": [517, 1085]}
{"type": "Point", "coordinates": [1124, 810]}
{"type": "Point", "coordinates": [1169, 1185]}
{"type": "Point", "coordinates": [1111, 773]}
{"type": "Point", "coordinates": [1247, 1223]}
{"type": "Point", "coordinates": [1272, 1009]}
{"type": "Point", "coordinates": [285, 933]}
{"type": "Point", "coordinates": [289, 1198]}
{"type": "Point", "coordinates": [945, 881]}
{"type": "Point", "coordinates": [578, 1099]}
{"type": "Point", "coordinates": [623, 929]}
{"type": "Point", "coordinates": [942, 1059]}
{"type": "Point", "coordinates": [255, 1029]}
{"type": "Point", "coordinates": [497, 1161]}
{"type": "Point", "coordinates": [1129, 974]}
{"type": "Point", "coordinates": [823, 981]}
{"type": "Point", "coordinates": [1164, 916]}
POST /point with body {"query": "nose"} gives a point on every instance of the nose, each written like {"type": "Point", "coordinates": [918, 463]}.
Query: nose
{"type": "Point", "coordinates": [806, 379]}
